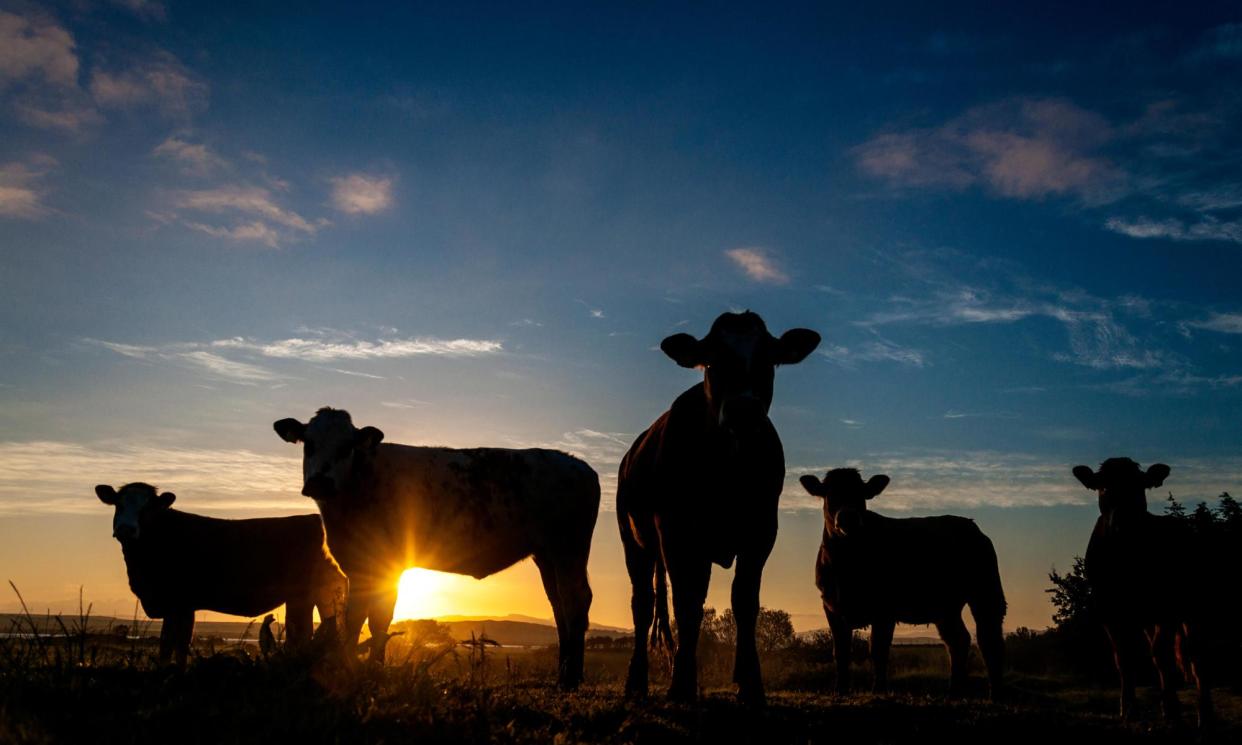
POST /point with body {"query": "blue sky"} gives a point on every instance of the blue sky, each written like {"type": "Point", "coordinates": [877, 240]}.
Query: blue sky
{"type": "Point", "coordinates": [1018, 232]}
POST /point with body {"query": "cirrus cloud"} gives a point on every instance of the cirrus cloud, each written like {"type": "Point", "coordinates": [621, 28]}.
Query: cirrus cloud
{"type": "Point", "coordinates": [758, 264]}
{"type": "Point", "coordinates": [362, 194]}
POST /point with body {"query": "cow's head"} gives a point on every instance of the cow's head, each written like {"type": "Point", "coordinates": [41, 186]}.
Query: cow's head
{"type": "Point", "coordinates": [134, 504]}
{"type": "Point", "coordinates": [739, 359]}
{"type": "Point", "coordinates": [845, 497]}
{"type": "Point", "coordinates": [1122, 486]}
{"type": "Point", "coordinates": [332, 449]}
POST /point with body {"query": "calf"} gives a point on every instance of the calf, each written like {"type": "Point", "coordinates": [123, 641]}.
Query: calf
{"type": "Point", "coordinates": [701, 486]}
{"type": "Point", "coordinates": [389, 507]}
{"type": "Point", "coordinates": [1148, 583]}
{"type": "Point", "coordinates": [880, 571]}
{"type": "Point", "coordinates": [180, 563]}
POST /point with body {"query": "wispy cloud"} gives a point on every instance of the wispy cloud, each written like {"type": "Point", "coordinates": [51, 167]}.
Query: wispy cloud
{"type": "Point", "coordinates": [21, 195]}
{"type": "Point", "coordinates": [57, 476]}
{"type": "Point", "coordinates": [236, 360]}
{"type": "Point", "coordinates": [1226, 323]}
{"type": "Point", "coordinates": [362, 194]}
{"type": "Point", "coordinates": [758, 264]}
{"type": "Point", "coordinates": [1158, 172]}
{"type": "Point", "coordinates": [36, 47]}
{"type": "Point", "coordinates": [159, 81]}
{"type": "Point", "coordinates": [146, 9]}
{"type": "Point", "coordinates": [873, 351]}
{"type": "Point", "coordinates": [269, 223]}
{"type": "Point", "coordinates": [1205, 228]}
{"type": "Point", "coordinates": [321, 350]}
{"type": "Point", "coordinates": [1023, 148]}
{"type": "Point", "coordinates": [195, 158]}
{"type": "Point", "coordinates": [189, 354]}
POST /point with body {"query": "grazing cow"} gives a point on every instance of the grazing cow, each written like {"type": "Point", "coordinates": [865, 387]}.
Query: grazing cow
{"type": "Point", "coordinates": [701, 486]}
{"type": "Point", "coordinates": [180, 563]}
{"type": "Point", "coordinates": [1147, 581]}
{"type": "Point", "coordinates": [389, 507]}
{"type": "Point", "coordinates": [879, 571]}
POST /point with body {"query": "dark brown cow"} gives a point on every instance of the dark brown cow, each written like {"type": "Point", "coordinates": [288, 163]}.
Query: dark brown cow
{"type": "Point", "coordinates": [1147, 583]}
{"type": "Point", "coordinates": [180, 563]}
{"type": "Point", "coordinates": [701, 486]}
{"type": "Point", "coordinates": [879, 571]}
{"type": "Point", "coordinates": [389, 507]}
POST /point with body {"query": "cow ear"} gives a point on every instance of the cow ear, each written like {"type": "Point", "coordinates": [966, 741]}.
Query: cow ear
{"type": "Point", "coordinates": [290, 430]}
{"type": "Point", "coordinates": [813, 486]}
{"type": "Point", "coordinates": [794, 345]}
{"type": "Point", "coordinates": [876, 484]}
{"type": "Point", "coordinates": [106, 494]}
{"type": "Point", "coordinates": [1087, 476]}
{"type": "Point", "coordinates": [1156, 474]}
{"type": "Point", "coordinates": [368, 438]}
{"type": "Point", "coordinates": [165, 500]}
{"type": "Point", "coordinates": [684, 349]}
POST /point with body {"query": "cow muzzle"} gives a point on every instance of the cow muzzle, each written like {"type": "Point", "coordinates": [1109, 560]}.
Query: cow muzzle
{"type": "Point", "coordinates": [319, 487]}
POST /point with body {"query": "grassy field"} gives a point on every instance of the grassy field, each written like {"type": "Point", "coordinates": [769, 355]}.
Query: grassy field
{"type": "Point", "coordinates": [100, 689]}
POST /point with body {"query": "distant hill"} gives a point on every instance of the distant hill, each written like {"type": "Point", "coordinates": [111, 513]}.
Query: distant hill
{"type": "Point", "coordinates": [513, 630]}
{"type": "Point", "coordinates": [514, 633]}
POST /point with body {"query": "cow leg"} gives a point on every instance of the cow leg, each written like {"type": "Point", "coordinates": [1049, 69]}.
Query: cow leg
{"type": "Point", "coordinates": [641, 566]}
{"type": "Point", "coordinates": [881, 642]}
{"type": "Point", "coordinates": [547, 573]}
{"type": "Point", "coordinates": [1163, 654]}
{"type": "Point", "coordinates": [689, 577]}
{"type": "Point", "coordinates": [299, 618]}
{"type": "Point", "coordinates": [957, 640]}
{"type": "Point", "coordinates": [175, 637]}
{"type": "Point", "coordinates": [382, 601]}
{"type": "Point", "coordinates": [842, 649]}
{"type": "Point", "coordinates": [991, 636]}
{"type": "Point", "coordinates": [356, 607]}
{"type": "Point", "coordinates": [1125, 640]}
{"type": "Point", "coordinates": [575, 593]}
{"type": "Point", "coordinates": [1192, 662]}
{"type": "Point", "coordinates": [745, 599]}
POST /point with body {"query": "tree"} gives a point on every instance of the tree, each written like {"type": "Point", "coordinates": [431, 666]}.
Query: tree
{"type": "Point", "coordinates": [1230, 513]}
{"type": "Point", "coordinates": [1174, 508]}
{"type": "Point", "coordinates": [1071, 594]}
{"type": "Point", "coordinates": [774, 630]}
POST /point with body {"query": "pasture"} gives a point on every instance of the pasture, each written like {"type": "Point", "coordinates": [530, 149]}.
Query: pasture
{"type": "Point", "coordinates": [99, 688]}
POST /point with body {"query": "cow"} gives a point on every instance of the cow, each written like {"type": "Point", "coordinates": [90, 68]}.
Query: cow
{"type": "Point", "coordinates": [701, 487]}
{"type": "Point", "coordinates": [1148, 583]}
{"type": "Point", "coordinates": [388, 507]}
{"type": "Point", "coordinates": [879, 571]}
{"type": "Point", "coordinates": [179, 563]}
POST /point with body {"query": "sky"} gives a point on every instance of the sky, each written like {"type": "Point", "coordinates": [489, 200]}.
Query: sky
{"type": "Point", "coordinates": [1018, 230]}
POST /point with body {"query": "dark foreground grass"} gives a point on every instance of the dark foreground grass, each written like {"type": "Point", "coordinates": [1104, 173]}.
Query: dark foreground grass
{"type": "Point", "coordinates": [431, 695]}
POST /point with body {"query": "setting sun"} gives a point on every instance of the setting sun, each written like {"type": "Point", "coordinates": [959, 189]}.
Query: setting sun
{"type": "Point", "coordinates": [420, 594]}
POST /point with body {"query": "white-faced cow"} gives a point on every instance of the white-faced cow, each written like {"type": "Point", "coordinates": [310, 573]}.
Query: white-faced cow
{"type": "Point", "coordinates": [701, 486]}
{"type": "Point", "coordinates": [179, 563]}
{"type": "Point", "coordinates": [389, 507]}
{"type": "Point", "coordinates": [1147, 579]}
{"type": "Point", "coordinates": [879, 571]}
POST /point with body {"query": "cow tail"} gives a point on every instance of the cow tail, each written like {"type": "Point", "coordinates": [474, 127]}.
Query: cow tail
{"type": "Point", "coordinates": [661, 629]}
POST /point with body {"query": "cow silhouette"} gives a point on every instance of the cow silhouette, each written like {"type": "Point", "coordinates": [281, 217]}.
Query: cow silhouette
{"type": "Point", "coordinates": [179, 563]}
{"type": "Point", "coordinates": [1148, 585]}
{"type": "Point", "coordinates": [879, 571]}
{"type": "Point", "coordinates": [701, 486]}
{"type": "Point", "coordinates": [389, 507]}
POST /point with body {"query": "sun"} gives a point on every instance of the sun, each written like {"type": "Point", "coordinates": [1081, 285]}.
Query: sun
{"type": "Point", "coordinates": [420, 594]}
